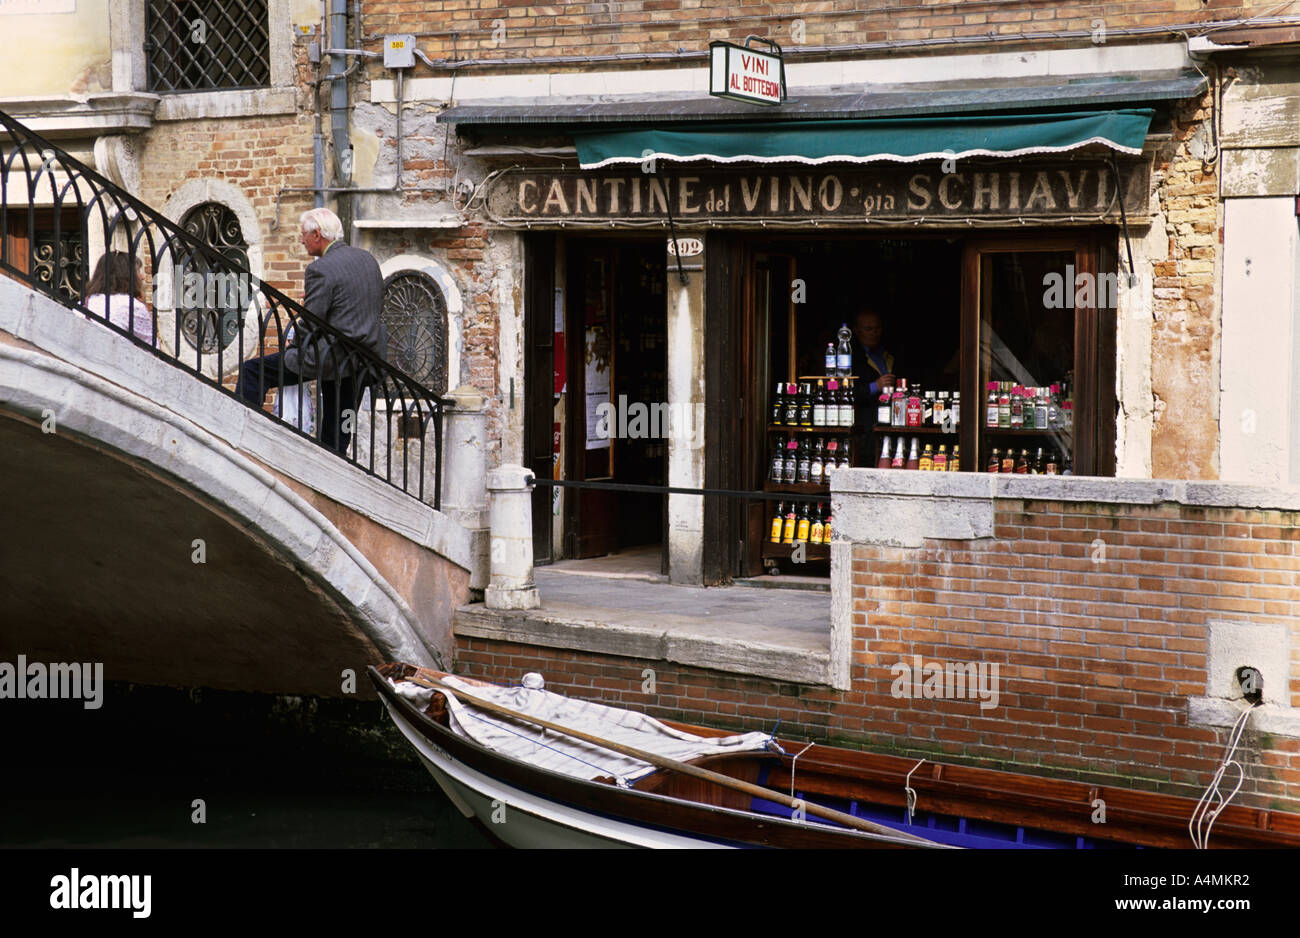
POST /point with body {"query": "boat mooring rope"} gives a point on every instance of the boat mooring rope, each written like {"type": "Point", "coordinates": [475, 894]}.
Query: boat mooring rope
{"type": "Point", "coordinates": [794, 760]}
{"type": "Point", "coordinates": [911, 793]}
{"type": "Point", "coordinates": [1204, 815]}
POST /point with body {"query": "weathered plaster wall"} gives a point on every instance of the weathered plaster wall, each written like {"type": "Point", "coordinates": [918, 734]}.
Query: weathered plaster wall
{"type": "Point", "coordinates": [1185, 337]}
{"type": "Point", "coordinates": [60, 53]}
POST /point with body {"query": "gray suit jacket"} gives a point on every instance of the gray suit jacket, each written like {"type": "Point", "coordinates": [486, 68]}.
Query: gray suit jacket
{"type": "Point", "coordinates": [345, 288]}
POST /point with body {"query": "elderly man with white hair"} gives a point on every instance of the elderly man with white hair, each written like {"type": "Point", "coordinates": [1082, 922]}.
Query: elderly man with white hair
{"type": "Point", "coordinates": [345, 288]}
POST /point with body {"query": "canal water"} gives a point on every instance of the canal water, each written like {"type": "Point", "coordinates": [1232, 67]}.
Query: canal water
{"type": "Point", "coordinates": [268, 771]}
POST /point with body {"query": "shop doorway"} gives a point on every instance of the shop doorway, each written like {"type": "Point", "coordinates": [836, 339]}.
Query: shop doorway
{"type": "Point", "coordinates": [800, 293]}
{"type": "Point", "coordinates": [615, 424]}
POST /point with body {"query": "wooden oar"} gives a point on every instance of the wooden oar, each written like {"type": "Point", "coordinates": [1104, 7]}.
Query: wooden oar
{"type": "Point", "coordinates": [663, 762]}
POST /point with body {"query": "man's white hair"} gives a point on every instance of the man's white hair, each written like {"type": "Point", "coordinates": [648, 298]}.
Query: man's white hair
{"type": "Point", "coordinates": [324, 221]}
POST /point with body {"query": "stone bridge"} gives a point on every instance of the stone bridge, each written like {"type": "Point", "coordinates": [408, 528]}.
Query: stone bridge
{"type": "Point", "coordinates": [160, 526]}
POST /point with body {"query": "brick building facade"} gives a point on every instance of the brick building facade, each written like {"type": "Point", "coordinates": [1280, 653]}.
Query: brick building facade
{"type": "Point", "coordinates": [1108, 675]}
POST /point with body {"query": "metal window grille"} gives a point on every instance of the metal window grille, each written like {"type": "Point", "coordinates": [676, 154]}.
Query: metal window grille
{"type": "Point", "coordinates": [212, 303]}
{"type": "Point", "coordinates": [204, 45]}
{"type": "Point", "coordinates": [415, 315]}
{"type": "Point", "coordinates": [59, 264]}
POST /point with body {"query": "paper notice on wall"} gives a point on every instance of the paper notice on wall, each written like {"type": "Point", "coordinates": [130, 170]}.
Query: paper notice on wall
{"type": "Point", "coordinates": [597, 381]}
{"type": "Point", "coordinates": [598, 429]}
{"type": "Point", "coordinates": [28, 7]}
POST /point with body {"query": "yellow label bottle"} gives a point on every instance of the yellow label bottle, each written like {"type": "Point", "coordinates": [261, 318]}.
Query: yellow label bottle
{"type": "Point", "coordinates": [803, 530]}
{"type": "Point", "coordinates": [778, 520]}
{"type": "Point", "coordinates": [815, 532]}
{"type": "Point", "coordinates": [788, 534]}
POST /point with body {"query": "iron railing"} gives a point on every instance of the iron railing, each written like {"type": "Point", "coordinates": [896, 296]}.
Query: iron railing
{"type": "Point", "coordinates": [80, 216]}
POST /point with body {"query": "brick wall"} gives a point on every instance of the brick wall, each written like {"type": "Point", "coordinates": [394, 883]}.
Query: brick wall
{"type": "Point", "coordinates": [257, 155]}
{"type": "Point", "coordinates": [1096, 614]}
{"type": "Point", "coordinates": [505, 28]}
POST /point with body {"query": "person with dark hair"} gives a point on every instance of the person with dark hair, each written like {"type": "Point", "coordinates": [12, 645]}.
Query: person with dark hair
{"type": "Point", "coordinates": [115, 292]}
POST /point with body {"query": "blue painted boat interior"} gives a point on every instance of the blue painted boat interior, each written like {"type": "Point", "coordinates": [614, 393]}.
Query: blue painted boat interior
{"type": "Point", "coordinates": [946, 829]}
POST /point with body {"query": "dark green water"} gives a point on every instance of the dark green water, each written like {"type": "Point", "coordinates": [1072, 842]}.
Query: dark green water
{"type": "Point", "coordinates": [272, 772]}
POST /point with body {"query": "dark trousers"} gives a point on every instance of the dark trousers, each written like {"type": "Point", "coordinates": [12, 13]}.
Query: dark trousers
{"type": "Point", "coordinates": [259, 375]}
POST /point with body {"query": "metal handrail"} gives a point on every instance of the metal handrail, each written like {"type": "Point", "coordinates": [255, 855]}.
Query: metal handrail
{"type": "Point", "coordinates": [36, 176]}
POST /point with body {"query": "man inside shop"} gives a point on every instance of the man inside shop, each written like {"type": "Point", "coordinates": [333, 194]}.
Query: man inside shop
{"type": "Point", "coordinates": [875, 368]}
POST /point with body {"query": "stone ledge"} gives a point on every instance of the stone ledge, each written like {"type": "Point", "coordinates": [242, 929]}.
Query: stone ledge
{"type": "Point", "coordinates": [672, 641]}
{"type": "Point", "coordinates": [255, 102]}
{"type": "Point", "coordinates": [81, 115]}
{"type": "Point", "coordinates": [1219, 711]}
{"type": "Point", "coordinates": [977, 485]}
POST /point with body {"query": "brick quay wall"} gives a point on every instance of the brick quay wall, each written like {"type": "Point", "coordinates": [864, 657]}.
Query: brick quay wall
{"type": "Point", "coordinates": [1116, 613]}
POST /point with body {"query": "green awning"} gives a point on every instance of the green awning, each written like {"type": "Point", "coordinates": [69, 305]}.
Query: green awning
{"type": "Point", "coordinates": [895, 139]}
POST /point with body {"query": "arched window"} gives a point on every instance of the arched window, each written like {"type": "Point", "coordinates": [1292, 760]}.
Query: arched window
{"type": "Point", "coordinates": [212, 302]}
{"type": "Point", "coordinates": [415, 314]}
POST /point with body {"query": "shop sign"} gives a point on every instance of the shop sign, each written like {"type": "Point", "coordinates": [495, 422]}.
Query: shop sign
{"type": "Point", "coordinates": [745, 74]}
{"type": "Point", "coordinates": [685, 247]}
{"type": "Point", "coordinates": [1076, 191]}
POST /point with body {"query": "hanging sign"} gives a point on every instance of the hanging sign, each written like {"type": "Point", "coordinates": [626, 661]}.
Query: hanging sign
{"type": "Point", "coordinates": [745, 74]}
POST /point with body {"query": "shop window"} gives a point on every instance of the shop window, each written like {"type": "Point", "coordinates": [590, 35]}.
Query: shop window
{"type": "Point", "coordinates": [212, 302]}
{"type": "Point", "coordinates": [415, 314]}
{"type": "Point", "coordinates": [207, 45]}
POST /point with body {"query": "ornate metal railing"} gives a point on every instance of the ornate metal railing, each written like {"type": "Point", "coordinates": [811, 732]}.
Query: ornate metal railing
{"type": "Point", "coordinates": [205, 312]}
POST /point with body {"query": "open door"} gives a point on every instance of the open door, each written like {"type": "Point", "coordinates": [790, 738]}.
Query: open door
{"type": "Point", "coordinates": [539, 397]}
{"type": "Point", "coordinates": [616, 425]}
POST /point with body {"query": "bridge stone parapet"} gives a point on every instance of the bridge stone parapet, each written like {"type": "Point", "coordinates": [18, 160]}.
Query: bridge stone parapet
{"type": "Point", "coordinates": [381, 569]}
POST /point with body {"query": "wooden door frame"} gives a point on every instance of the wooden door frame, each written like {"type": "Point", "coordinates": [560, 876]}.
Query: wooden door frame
{"type": "Point", "coordinates": [539, 387]}
{"type": "Point", "coordinates": [1094, 345]}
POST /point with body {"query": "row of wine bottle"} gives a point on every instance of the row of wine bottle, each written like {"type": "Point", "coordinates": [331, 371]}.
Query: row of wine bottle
{"type": "Point", "coordinates": [794, 462]}
{"type": "Point", "coordinates": [1024, 464]}
{"type": "Point", "coordinates": [926, 460]}
{"type": "Point", "coordinates": [829, 404]}
{"type": "Point", "coordinates": [793, 524]}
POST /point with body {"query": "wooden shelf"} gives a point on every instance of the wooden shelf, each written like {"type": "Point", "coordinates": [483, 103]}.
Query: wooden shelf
{"type": "Point", "coordinates": [798, 488]}
{"type": "Point", "coordinates": [882, 429]}
{"type": "Point", "coordinates": [783, 551]}
{"type": "Point", "coordinates": [778, 428]}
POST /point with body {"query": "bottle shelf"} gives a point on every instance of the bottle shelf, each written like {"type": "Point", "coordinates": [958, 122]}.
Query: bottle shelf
{"type": "Point", "coordinates": [883, 428]}
{"type": "Point", "coordinates": [783, 551]}
{"type": "Point", "coordinates": [799, 488]}
{"type": "Point", "coordinates": [1021, 431]}
{"type": "Point", "coordinates": [781, 428]}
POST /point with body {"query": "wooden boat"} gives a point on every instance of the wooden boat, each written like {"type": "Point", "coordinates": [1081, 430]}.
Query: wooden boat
{"type": "Point", "coordinates": [743, 799]}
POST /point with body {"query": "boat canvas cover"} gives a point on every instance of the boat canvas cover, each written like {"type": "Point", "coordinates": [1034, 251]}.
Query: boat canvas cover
{"type": "Point", "coordinates": [546, 749]}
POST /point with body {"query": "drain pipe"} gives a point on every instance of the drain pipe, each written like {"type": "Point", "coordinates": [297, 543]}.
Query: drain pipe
{"type": "Point", "coordinates": [338, 39]}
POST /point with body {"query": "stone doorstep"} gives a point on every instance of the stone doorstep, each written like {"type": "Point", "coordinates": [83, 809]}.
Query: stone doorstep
{"type": "Point", "coordinates": [679, 640]}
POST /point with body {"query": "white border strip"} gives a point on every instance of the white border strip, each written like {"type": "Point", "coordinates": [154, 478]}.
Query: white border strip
{"type": "Point", "coordinates": [873, 158]}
